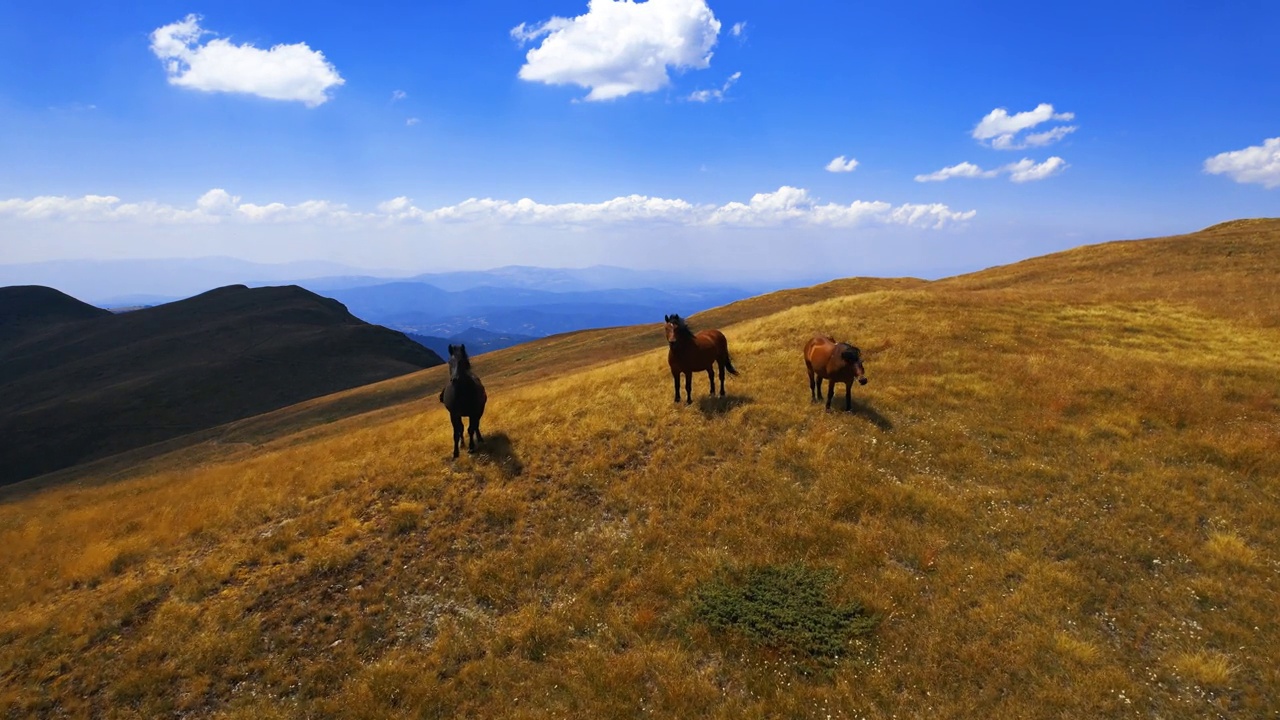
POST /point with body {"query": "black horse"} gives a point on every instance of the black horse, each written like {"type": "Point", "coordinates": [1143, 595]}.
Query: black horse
{"type": "Point", "coordinates": [463, 396]}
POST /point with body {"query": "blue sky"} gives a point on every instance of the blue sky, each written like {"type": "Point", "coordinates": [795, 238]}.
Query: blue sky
{"type": "Point", "coordinates": [675, 134]}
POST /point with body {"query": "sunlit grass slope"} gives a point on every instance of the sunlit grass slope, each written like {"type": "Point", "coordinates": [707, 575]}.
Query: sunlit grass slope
{"type": "Point", "coordinates": [1060, 499]}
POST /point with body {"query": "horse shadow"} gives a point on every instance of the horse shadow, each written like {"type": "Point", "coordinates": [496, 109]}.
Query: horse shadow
{"type": "Point", "coordinates": [874, 416]}
{"type": "Point", "coordinates": [712, 405]}
{"type": "Point", "coordinates": [497, 449]}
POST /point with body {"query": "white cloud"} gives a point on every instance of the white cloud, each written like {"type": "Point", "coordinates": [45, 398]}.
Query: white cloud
{"type": "Point", "coordinates": [1000, 130]}
{"type": "Point", "coordinates": [739, 30]}
{"type": "Point", "coordinates": [1025, 170]}
{"type": "Point", "coordinates": [841, 165]}
{"type": "Point", "coordinates": [1254, 164]}
{"type": "Point", "coordinates": [709, 95]}
{"type": "Point", "coordinates": [410, 122]}
{"type": "Point", "coordinates": [964, 170]}
{"type": "Point", "coordinates": [789, 205]}
{"type": "Point", "coordinates": [786, 206]}
{"type": "Point", "coordinates": [285, 72]}
{"type": "Point", "coordinates": [620, 47]}
{"type": "Point", "coordinates": [215, 206]}
{"type": "Point", "coordinates": [398, 95]}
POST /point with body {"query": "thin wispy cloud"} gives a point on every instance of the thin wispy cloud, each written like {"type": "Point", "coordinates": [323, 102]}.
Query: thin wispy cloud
{"type": "Point", "coordinates": [739, 30]}
{"type": "Point", "coordinates": [841, 165]}
{"type": "Point", "coordinates": [398, 95]}
{"type": "Point", "coordinates": [412, 121]}
{"type": "Point", "coordinates": [1002, 131]}
{"type": "Point", "coordinates": [1255, 164]}
{"type": "Point", "coordinates": [785, 206]}
{"type": "Point", "coordinates": [284, 72]}
{"type": "Point", "coordinates": [717, 95]}
{"type": "Point", "coordinates": [619, 47]}
{"type": "Point", "coordinates": [1025, 170]}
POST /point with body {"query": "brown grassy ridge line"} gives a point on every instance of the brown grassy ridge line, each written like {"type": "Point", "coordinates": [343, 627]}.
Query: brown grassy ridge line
{"type": "Point", "coordinates": [1060, 510]}
{"type": "Point", "coordinates": [1235, 266]}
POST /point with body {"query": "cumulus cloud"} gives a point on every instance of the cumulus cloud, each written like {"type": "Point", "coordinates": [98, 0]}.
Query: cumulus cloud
{"type": "Point", "coordinates": [963, 170]}
{"type": "Point", "coordinates": [790, 205]}
{"type": "Point", "coordinates": [1254, 164]}
{"type": "Point", "coordinates": [841, 165]}
{"type": "Point", "coordinates": [709, 95]}
{"type": "Point", "coordinates": [284, 72]}
{"type": "Point", "coordinates": [620, 47]}
{"type": "Point", "coordinates": [785, 206]}
{"type": "Point", "coordinates": [215, 206]}
{"type": "Point", "coordinates": [1025, 170]}
{"type": "Point", "coordinates": [1000, 130]}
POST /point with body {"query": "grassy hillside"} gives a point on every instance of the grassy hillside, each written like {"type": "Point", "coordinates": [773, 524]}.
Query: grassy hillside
{"type": "Point", "coordinates": [79, 383]}
{"type": "Point", "coordinates": [1055, 499]}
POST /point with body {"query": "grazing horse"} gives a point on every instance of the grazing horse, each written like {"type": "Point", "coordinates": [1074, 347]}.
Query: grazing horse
{"type": "Point", "coordinates": [463, 396]}
{"type": "Point", "coordinates": [837, 362]}
{"type": "Point", "coordinates": [689, 353]}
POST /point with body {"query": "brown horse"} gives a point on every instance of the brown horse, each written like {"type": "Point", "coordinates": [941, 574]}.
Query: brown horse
{"type": "Point", "coordinates": [836, 362]}
{"type": "Point", "coordinates": [689, 353]}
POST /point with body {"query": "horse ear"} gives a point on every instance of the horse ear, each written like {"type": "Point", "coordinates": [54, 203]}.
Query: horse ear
{"type": "Point", "coordinates": [666, 318]}
{"type": "Point", "coordinates": [450, 348]}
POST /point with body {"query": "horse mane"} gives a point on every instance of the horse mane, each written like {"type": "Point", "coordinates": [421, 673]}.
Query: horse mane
{"type": "Point", "coordinates": [682, 327]}
{"type": "Point", "coordinates": [849, 352]}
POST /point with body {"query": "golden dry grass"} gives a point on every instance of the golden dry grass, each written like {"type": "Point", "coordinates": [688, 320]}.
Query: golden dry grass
{"type": "Point", "coordinates": [1060, 498]}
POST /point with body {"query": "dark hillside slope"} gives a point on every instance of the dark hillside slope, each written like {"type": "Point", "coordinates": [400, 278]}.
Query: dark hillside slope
{"type": "Point", "coordinates": [77, 385]}
{"type": "Point", "coordinates": [27, 310]}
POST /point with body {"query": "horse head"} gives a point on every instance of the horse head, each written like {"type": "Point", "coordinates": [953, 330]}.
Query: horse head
{"type": "Point", "coordinates": [458, 361]}
{"type": "Point", "coordinates": [853, 356]}
{"type": "Point", "coordinates": [676, 328]}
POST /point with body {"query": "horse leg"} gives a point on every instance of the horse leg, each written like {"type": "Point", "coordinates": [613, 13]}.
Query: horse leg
{"type": "Point", "coordinates": [721, 379]}
{"type": "Point", "coordinates": [456, 419]}
{"type": "Point", "coordinates": [814, 393]}
{"type": "Point", "coordinates": [848, 396]}
{"type": "Point", "coordinates": [675, 375]}
{"type": "Point", "coordinates": [479, 437]}
{"type": "Point", "coordinates": [711, 375]}
{"type": "Point", "coordinates": [688, 388]}
{"type": "Point", "coordinates": [831, 391]}
{"type": "Point", "coordinates": [471, 433]}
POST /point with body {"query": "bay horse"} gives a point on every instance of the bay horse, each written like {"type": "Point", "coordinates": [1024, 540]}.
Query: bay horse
{"type": "Point", "coordinates": [836, 362]}
{"type": "Point", "coordinates": [689, 353]}
{"type": "Point", "coordinates": [463, 396]}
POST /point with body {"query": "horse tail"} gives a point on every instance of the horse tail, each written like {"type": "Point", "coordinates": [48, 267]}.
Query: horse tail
{"type": "Point", "coordinates": [728, 364]}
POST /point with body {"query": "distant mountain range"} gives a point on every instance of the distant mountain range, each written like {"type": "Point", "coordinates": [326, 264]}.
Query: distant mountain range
{"type": "Point", "coordinates": [477, 341]}
{"type": "Point", "coordinates": [426, 309]}
{"type": "Point", "coordinates": [79, 383]}
{"type": "Point", "coordinates": [111, 283]}
{"type": "Point", "coordinates": [509, 301]}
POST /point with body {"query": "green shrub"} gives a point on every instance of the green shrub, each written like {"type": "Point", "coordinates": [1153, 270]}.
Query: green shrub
{"type": "Point", "coordinates": [787, 608]}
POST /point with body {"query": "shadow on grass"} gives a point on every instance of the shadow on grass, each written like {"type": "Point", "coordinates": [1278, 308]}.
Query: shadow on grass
{"type": "Point", "coordinates": [716, 405]}
{"type": "Point", "coordinates": [497, 448]}
{"type": "Point", "coordinates": [865, 410]}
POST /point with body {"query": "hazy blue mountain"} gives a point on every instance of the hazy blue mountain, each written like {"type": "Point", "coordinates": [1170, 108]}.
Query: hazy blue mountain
{"type": "Point", "coordinates": [478, 341]}
{"type": "Point", "coordinates": [428, 310]}
{"type": "Point", "coordinates": [100, 281]}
